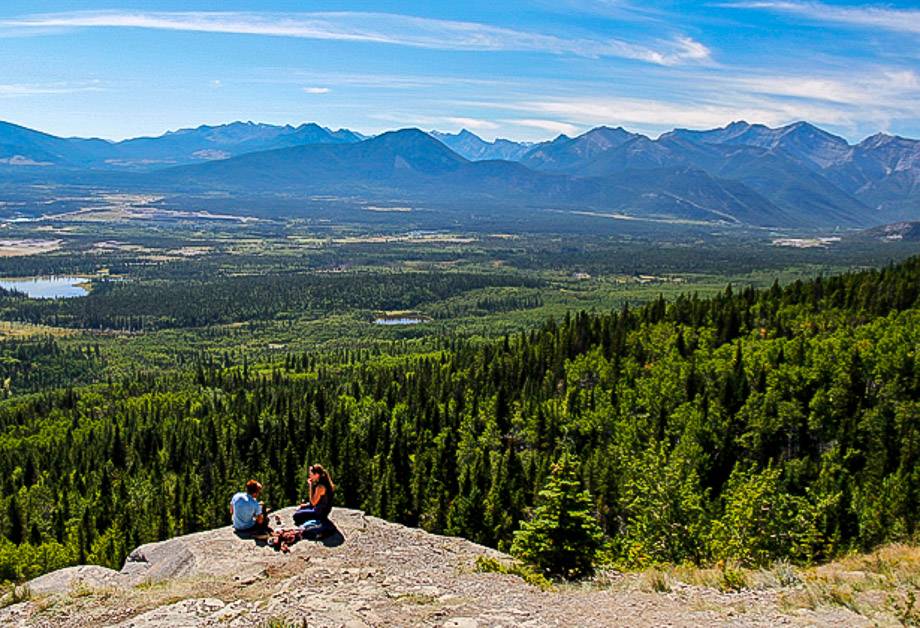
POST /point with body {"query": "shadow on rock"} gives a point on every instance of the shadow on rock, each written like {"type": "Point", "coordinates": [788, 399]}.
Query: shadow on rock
{"type": "Point", "coordinates": [333, 537]}
{"type": "Point", "coordinates": [327, 534]}
{"type": "Point", "coordinates": [260, 539]}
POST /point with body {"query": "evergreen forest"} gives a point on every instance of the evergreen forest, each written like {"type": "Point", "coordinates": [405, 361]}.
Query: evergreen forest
{"type": "Point", "coordinates": [746, 424]}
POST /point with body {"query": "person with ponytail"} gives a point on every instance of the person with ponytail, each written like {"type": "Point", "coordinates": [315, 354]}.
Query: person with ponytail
{"type": "Point", "coordinates": [319, 505]}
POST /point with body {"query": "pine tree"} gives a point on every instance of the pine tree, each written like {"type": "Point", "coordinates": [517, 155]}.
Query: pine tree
{"type": "Point", "coordinates": [563, 537]}
{"type": "Point", "coordinates": [14, 518]}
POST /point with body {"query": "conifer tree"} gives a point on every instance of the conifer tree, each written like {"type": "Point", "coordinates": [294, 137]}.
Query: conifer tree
{"type": "Point", "coordinates": [563, 537]}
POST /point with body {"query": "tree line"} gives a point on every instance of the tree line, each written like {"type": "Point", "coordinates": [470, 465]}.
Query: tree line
{"type": "Point", "coordinates": [137, 306]}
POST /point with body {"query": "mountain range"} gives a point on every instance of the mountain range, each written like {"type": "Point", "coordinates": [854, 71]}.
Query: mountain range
{"type": "Point", "coordinates": [20, 146]}
{"type": "Point", "coordinates": [791, 176]}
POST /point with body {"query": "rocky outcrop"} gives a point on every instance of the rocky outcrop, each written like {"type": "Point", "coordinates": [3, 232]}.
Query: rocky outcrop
{"type": "Point", "coordinates": [375, 574]}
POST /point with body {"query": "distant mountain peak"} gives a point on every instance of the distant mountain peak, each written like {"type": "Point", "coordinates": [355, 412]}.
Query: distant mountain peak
{"type": "Point", "coordinates": [408, 132]}
{"type": "Point", "coordinates": [807, 127]}
{"type": "Point", "coordinates": [461, 134]}
{"type": "Point", "coordinates": [567, 154]}
{"type": "Point", "coordinates": [606, 131]}
{"type": "Point", "coordinates": [472, 147]}
{"type": "Point", "coordinates": [883, 139]}
{"type": "Point", "coordinates": [413, 139]}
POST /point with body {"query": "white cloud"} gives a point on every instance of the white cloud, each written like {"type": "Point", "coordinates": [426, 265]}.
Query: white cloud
{"type": "Point", "coordinates": [861, 100]}
{"type": "Point", "coordinates": [873, 16]}
{"type": "Point", "coordinates": [568, 115]}
{"type": "Point", "coordinates": [886, 88]}
{"type": "Point", "coordinates": [316, 90]}
{"type": "Point", "coordinates": [553, 126]}
{"type": "Point", "coordinates": [692, 49]}
{"type": "Point", "coordinates": [382, 28]}
{"type": "Point", "coordinates": [442, 123]}
{"type": "Point", "coordinates": [473, 124]}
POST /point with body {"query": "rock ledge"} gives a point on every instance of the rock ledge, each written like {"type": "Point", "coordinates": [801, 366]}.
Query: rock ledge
{"type": "Point", "coordinates": [383, 574]}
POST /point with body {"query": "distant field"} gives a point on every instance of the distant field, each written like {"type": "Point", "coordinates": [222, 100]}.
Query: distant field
{"type": "Point", "coordinates": [178, 277]}
{"type": "Point", "coordinates": [19, 248]}
{"type": "Point", "coordinates": [9, 329]}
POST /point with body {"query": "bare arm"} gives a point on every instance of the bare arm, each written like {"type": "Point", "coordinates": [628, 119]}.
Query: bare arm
{"type": "Point", "coordinates": [319, 492]}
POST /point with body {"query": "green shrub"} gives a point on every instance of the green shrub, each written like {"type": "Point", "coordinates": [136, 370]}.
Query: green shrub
{"type": "Point", "coordinates": [563, 537]}
{"type": "Point", "coordinates": [486, 564]}
{"type": "Point", "coordinates": [761, 522]}
{"type": "Point", "coordinates": [656, 581]}
{"type": "Point", "coordinates": [733, 578]}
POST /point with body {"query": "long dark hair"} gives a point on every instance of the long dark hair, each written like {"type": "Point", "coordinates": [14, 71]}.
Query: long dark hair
{"type": "Point", "coordinates": [324, 478]}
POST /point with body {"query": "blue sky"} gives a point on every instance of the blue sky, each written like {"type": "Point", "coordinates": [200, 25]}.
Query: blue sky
{"type": "Point", "coordinates": [524, 70]}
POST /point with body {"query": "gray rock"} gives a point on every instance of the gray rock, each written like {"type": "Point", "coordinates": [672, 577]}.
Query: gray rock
{"type": "Point", "coordinates": [184, 613]}
{"type": "Point", "coordinates": [383, 574]}
{"type": "Point", "coordinates": [70, 578]}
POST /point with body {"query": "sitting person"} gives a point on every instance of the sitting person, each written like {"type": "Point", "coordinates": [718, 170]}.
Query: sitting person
{"type": "Point", "coordinates": [312, 518]}
{"type": "Point", "coordinates": [322, 491]}
{"type": "Point", "coordinates": [246, 510]}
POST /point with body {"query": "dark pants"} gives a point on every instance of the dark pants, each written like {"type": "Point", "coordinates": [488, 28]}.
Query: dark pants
{"type": "Point", "coordinates": [322, 526]}
{"type": "Point", "coordinates": [257, 529]}
{"type": "Point", "coordinates": [306, 513]}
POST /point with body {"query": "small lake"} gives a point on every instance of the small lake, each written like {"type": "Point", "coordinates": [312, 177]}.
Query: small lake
{"type": "Point", "coordinates": [399, 321]}
{"type": "Point", "coordinates": [47, 287]}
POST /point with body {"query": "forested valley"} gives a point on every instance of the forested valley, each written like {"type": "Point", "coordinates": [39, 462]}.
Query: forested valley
{"type": "Point", "coordinates": [751, 425]}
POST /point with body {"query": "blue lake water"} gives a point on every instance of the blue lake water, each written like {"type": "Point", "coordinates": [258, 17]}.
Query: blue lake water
{"type": "Point", "coordinates": [398, 321]}
{"type": "Point", "coordinates": [47, 287]}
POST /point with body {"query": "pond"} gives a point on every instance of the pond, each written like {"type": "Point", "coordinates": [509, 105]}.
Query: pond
{"type": "Point", "coordinates": [47, 287]}
{"type": "Point", "coordinates": [402, 320]}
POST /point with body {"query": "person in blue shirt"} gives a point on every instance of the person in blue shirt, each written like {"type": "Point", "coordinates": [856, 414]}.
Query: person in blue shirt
{"type": "Point", "coordinates": [246, 512]}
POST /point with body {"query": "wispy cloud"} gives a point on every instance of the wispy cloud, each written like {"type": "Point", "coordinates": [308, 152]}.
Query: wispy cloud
{"type": "Point", "coordinates": [644, 113]}
{"type": "Point", "coordinates": [11, 90]}
{"type": "Point", "coordinates": [885, 88]}
{"type": "Point", "coordinates": [286, 75]}
{"type": "Point", "coordinates": [864, 101]}
{"type": "Point", "coordinates": [438, 122]}
{"type": "Point", "coordinates": [867, 15]}
{"type": "Point", "coordinates": [380, 28]}
{"type": "Point", "coordinates": [473, 124]}
{"type": "Point", "coordinates": [619, 9]}
{"type": "Point", "coordinates": [553, 126]}
{"type": "Point", "coordinates": [316, 90]}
